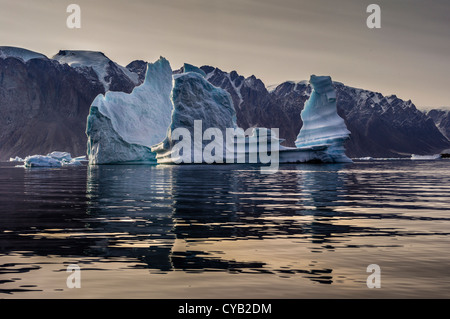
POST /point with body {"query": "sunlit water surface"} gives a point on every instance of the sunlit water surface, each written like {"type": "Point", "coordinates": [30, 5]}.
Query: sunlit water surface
{"type": "Point", "coordinates": [226, 231]}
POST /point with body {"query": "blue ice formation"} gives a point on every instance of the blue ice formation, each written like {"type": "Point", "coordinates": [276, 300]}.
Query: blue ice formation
{"type": "Point", "coordinates": [192, 68]}
{"type": "Point", "coordinates": [207, 117]}
{"type": "Point", "coordinates": [321, 138]}
{"type": "Point", "coordinates": [194, 99]}
{"type": "Point", "coordinates": [322, 126]}
{"type": "Point", "coordinates": [122, 127]}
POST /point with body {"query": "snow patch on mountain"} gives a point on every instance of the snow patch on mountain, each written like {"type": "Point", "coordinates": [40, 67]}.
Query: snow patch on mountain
{"type": "Point", "coordinates": [19, 53]}
{"type": "Point", "coordinates": [441, 118]}
{"type": "Point", "coordinates": [98, 61]}
{"type": "Point", "coordinates": [237, 89]}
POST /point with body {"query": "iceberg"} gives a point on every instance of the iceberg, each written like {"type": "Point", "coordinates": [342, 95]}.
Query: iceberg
{"type": "Point", "coordinates": [183, 118]}
{"type": "Point", "coordinates": [199, 107]}
{"type": "Point", "coordinates": [425, 157]}
{"type": "Point", "coordinates": [53, 159]}
{"type": "Point", "coordinates": [41, 161]}
{"type": "Point", "coordinates": [16, 159]}
{"type": "Point", "coordinates": [367, 158]}
{"type": "Point", "coordinates": [71, 163]}
{"type": "Point", "coordinates": [206, 117]}
{"type": "Point", "coordinates": [322, 126]}
{"type": "Point", "coordinates": [81, 159]}
{"type": "Point", "coordinates": [60, 156]}
{"type": "Point", "coordinates": [77, 161]}
{"type": "Point", "coordinates": [192, 68]}
{"type": "Point", "coordinates": [122, 127]}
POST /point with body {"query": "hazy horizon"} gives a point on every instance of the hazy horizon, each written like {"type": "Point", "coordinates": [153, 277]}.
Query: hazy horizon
{"type": "Point", "coordinates": [276, 41]}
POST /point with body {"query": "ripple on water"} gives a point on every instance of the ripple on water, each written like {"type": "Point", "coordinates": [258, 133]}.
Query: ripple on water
{"type": "Point", "coordinates": [309, 224]}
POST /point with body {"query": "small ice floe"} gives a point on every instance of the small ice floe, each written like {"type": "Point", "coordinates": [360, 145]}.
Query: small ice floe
{"type": "Point", "coordinates": [53, 159]}
{"type": "Point", "coordinates": [82, 159]}
{"type": "Point", "coordinates": [379, 158]}
{"type": "Point", "coordinates": [60, 156]}
{"type": "Point", "coordinates": [41, 161]}
{"type": "Point", "coordinates": [368, 158]}
{"type": "Point", "coordinates": [16, 159]}
{"type": "Point", "coordinates": [425, 157]}
{"type": "Point", "coordinates": [77, 161]}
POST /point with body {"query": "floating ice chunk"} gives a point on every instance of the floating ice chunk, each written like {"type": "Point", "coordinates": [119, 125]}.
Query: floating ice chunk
{"type": "Point", "coordinates": [41, 161]}
{"type": "Point", "coordinates": [54, 159]}
{"type": "Point", "coordinates": [16, 159]}
{"type": "Point", "coordinates": [122, 127]}
{"type": "Point", "coordinates": [389, 159]}
{"type": "Point", "coordinates": [77, 161]}
{"type": "Point", "coordinates": [60, 156]}
{"type": "Point", "coordinates": [321, 123]}
{"type": "Point", "coordinates": [71, 163]}
{"type": "Point", "coordinates": [81, 159]}
{"type": "Point", "coordinates": [425, 157]}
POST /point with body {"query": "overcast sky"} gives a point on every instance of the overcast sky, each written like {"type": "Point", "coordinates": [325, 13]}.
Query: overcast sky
{"type": "Point", "coordinates": [276, 40]}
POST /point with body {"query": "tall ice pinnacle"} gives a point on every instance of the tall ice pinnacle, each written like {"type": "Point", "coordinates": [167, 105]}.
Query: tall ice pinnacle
{"type": "Point", "coordinates": [321, 123]}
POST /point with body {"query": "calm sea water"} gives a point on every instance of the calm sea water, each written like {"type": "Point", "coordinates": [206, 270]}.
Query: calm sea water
{"type": "Point", "coordinates": [226, 231]}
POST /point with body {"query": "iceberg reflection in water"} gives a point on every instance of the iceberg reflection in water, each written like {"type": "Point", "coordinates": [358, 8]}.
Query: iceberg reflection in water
{"type": "Point", "coordinates": [184, 230]}
{"type": "Point", "coordinates": [160, 215]}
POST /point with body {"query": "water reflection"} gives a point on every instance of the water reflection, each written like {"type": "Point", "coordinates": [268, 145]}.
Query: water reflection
{"type": "Point", "coordinates": [220, 218]}
{"type": "Point", "coordinates": [133, 205]}
{"type": "Point", "coordinates": [38, 201]}
{"type": "Point", "coordinates": [162, 215]}
{"type": "Point", "coordinates": [321, 188]}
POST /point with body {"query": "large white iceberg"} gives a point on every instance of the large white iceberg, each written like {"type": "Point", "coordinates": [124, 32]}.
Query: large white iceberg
{"type": "Point", "coordinates": [121, 127]}
{"type": "Point", "coordinates": [182, 118]}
